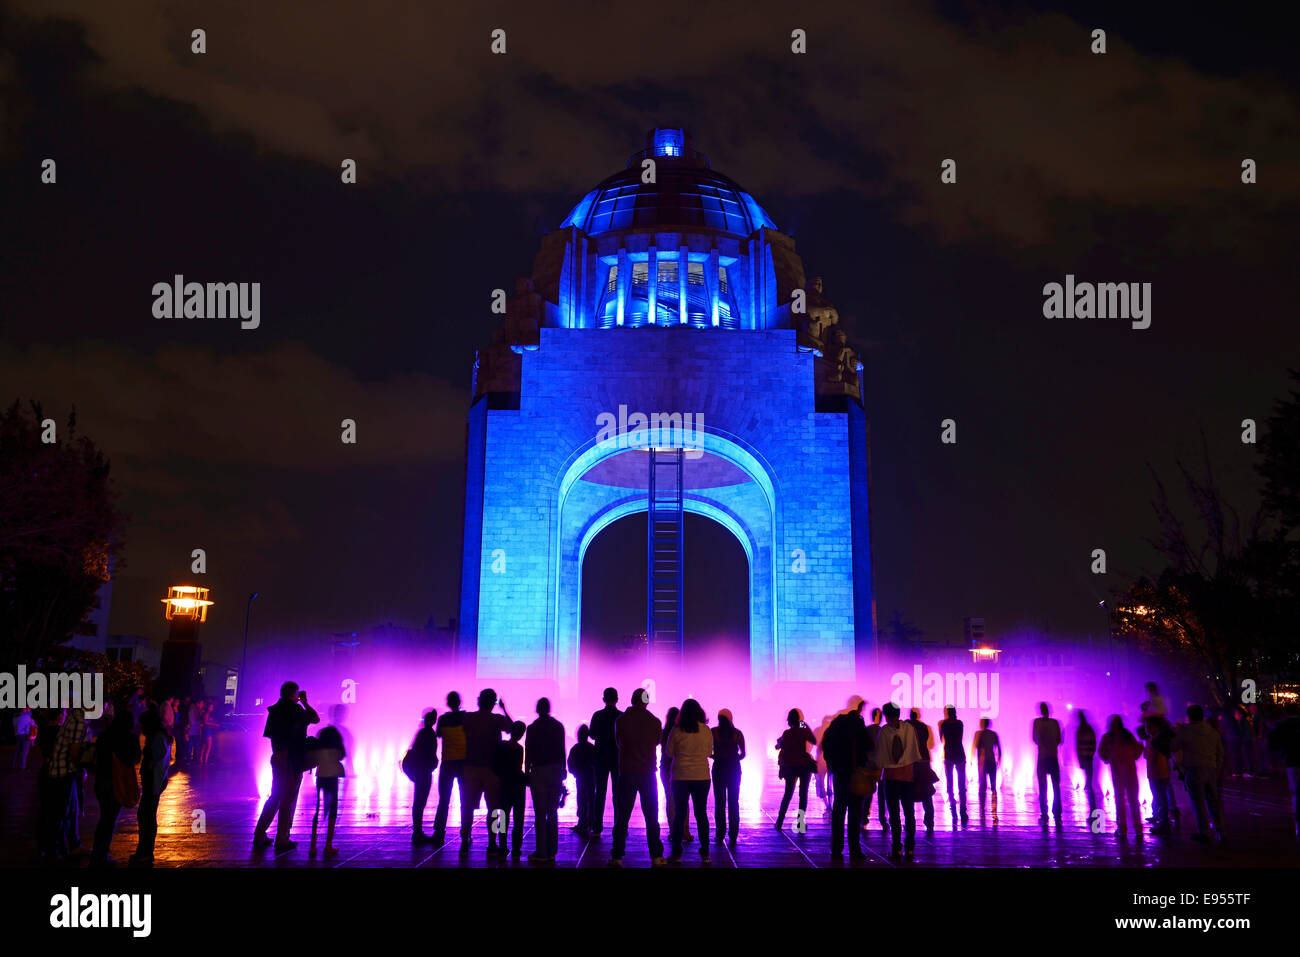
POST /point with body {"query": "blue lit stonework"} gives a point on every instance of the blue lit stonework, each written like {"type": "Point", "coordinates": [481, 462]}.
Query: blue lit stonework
{"type": "Point", "coordinates": [676, 297]}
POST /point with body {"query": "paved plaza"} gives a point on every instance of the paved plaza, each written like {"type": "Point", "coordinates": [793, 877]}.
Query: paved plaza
{"type": "Point", "coordinates": [207, 816]}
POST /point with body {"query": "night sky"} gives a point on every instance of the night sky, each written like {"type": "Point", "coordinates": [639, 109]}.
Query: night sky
{"type": "Point", "coordinates": [1124, 167]}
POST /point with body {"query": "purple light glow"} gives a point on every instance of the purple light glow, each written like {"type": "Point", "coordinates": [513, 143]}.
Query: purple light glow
{"type": "Point", "coordinates": [393, 690]}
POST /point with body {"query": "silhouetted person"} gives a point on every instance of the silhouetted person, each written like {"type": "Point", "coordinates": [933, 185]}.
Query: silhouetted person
{"type": "Point", "coordinates": [1046, 734]}
{"type": "Point", "coordinates": [329, 756]}
{"type": "Point", "coordinates": [924, 742]}
{"type": "Point", "coordinates": [582, 765]}
{"type": "Point", "coordinates": [424, 758]}
{"type": "Point", "coordinates": [1201, 756]}
{"type": "Point", "coordinates": [878, 790]}
{"type": "Point", "coordinates": [988, 758]}
{"type": "Point", "coordinates": [194, 731]}
{"type": "Point", "coordinates": [117, 752]}
{"type": "Point", "coordinates": [207, 733]}
{"type": "Point", "coordinates": [544, 766]}
{"type": "Point", "coordinates": [24, 735]}
{"type": "Point", "coordinates": [954, 759]}
{"type": "Point", "coordinates": [64, 735]}
{"type": "Point", "coordinates": [897, 753]}
{"type": "Point", "coordinates": [845, 747]}
{"type": "Point", "coordinates": [1157, 735]}
{"type": "Point", "coordinates": [155, 758]}
{"type": "Point", "coordinates": [666, 772]}
{"type": "Point", "coordinates": [1085, 749]}
{"type": "Point", "coordinates": [286, 725]}
{"type": "Point", "coordinates": [452, 732]}
{"type": "Point", "coordinates": [483, 730]}
{"type": "Point", "coordinates": [795, 766]}
{"type": "Point", "coordinates": [509, 767]}
{"type": "Point", "coordinates": [1285, 739]}
{"type": "Point", "coordinates": [602, 736]}
{"type": "Point", "coordinates": [1155, 701]}
{"type": "Point", "coordinates": [691, 745]}
{"type": "Point", "coordinates": [637, 733]}
{"type": "Point", "coordinates": [728, 752]}
{"type": "Point", "coordinates": [1121, 750]}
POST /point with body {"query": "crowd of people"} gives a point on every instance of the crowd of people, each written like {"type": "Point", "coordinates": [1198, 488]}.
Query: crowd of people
{"type": "Point", "coordinates": [622, 756]}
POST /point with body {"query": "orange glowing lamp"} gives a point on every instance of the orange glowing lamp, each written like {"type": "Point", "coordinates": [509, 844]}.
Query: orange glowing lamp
{"type": "Point", "coordinates": [186, 601]}
{"type": "Point", "coordinates": [984, 653]}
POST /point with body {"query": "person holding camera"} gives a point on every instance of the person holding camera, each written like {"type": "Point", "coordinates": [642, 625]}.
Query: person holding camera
{"type": "Point", "coordinates": [795, 764]}
{"type": "Point", "coordinates": [483, 730]}
{"type": "Point", "coordinates": [286, 725]}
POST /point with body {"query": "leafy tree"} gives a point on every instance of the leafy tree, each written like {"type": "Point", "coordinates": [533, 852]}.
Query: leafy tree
{"type": "Point", "coordinates": [1227, 601]}
{"type": "Point", "coordinates": [120, 677]}
{"type": "Point", "coordinates": [1280, 462]}
{"type": "Point", "coordinates": [60, 532]}
{"type": "Point", "coordinates": [900, 633]}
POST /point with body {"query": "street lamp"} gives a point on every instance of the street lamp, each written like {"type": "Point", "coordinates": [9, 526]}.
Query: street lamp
{"type": "Point", "coordinates": [1110, 654]}
{"type": "Point", "coordinates": [243, 662]}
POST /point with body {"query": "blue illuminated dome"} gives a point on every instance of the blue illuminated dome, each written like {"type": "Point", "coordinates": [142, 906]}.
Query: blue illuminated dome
{"type": "Point", "coordinates": [686, 193]}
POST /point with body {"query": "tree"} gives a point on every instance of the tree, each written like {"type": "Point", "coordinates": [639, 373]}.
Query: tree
{"type": "Point", "coordinates": [901, 633]}
{"type": "Point", "coordinates": [1226, 602]}
{"type": "Point", "coordinates": [120, 677]}
{"type": "Point", "coordinates": [60, 531]}
{"type": "Point", "coordinates": [1280, 462]}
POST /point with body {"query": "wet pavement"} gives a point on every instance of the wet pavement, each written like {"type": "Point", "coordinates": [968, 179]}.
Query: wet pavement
{"type": "Point", "coordinates": [207, 816]}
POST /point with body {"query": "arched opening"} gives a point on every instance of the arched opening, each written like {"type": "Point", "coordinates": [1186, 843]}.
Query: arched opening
{"type": "Point", "coordinates": [721, 480]}
{"type": "Point", "coordinates": [716, 600]}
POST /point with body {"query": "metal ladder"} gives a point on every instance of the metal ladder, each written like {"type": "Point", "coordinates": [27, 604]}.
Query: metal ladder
{"type": "Point", "coordinates": [664, 527]}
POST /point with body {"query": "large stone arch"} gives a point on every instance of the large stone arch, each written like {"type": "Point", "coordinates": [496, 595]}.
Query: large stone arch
{"type": "Point", "coordinates": [750, 512]}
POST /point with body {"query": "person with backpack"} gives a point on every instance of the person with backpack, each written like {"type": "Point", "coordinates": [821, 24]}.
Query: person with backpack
{"type": "Point", "coordinates": [419, 765]}
{"type": "Point", "coordinates": [117, 752]}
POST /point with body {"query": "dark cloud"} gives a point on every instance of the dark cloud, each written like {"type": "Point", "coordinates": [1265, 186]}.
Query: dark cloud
{"type": "Point", "coordinates": [407, 87]}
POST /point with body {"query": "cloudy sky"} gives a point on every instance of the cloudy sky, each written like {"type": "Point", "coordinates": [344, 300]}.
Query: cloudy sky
{"type": "Point", "coordinates": [225, 166]}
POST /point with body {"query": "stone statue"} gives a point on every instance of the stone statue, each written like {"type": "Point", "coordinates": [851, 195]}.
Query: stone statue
{"type": "Point", "coordinates": [820, 316]}
{"type": "Point", "coordinates": [844, 358]}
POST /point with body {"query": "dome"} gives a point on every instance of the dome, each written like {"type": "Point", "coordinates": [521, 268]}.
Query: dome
{"type": "Point", "coordinates": [686, 193]}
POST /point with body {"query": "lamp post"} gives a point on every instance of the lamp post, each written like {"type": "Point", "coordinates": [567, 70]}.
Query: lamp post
{"type": "Point", "coordinates": [243, 662]}
{"type": "Point", "coordinates": [1110, 655]}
